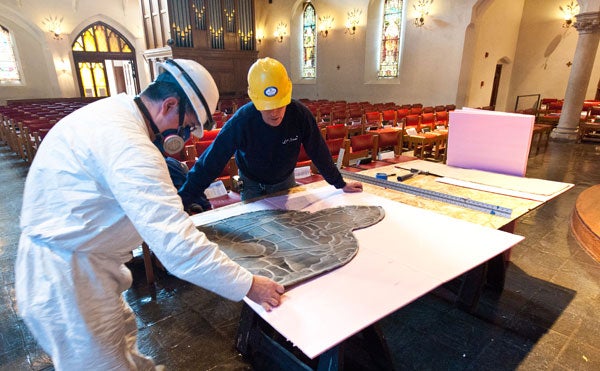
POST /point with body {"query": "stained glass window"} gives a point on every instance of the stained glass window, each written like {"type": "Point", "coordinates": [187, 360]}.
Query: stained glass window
{"type": "Point", "coordinates": [101, 38]}
{"type": "Point", "coordinates": [390, 38]}
{"type": "Point", "coordinates": [309, 43]}
{"type": "Point", "coordinates": [9, 71]}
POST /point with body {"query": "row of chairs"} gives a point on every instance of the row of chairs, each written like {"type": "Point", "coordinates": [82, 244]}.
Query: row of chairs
{"type": "Point", "coordinates": [386, 119]}
{"type": "Point", "coordinates": [336, 111]}
{"type": "Point", "coordinates": [371, 145]}
{"type": "Point", "coordinates": [24, 124]}
{"type": "Point", "coordinates": [551, 108]}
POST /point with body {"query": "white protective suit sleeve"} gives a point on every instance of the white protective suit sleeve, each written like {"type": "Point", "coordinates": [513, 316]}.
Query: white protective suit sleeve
{"type": "Point", "coordinates": [111, 182]}
{"type": "Point", "coordinates": [140, 182]}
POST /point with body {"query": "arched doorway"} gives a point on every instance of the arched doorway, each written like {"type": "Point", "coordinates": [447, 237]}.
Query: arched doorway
{"type": "Point", "coordinates": [105, 62]}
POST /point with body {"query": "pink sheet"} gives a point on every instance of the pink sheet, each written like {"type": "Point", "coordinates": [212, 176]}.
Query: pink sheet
{"type": "Point", "coordinates": [487, 140]}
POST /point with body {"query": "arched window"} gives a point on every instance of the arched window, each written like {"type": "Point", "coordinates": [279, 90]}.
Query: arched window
{"type": "Point", "coordinates": [309, 43]}
{"type": "Point", "coordinates": [390, 39]}
{"type": "Point", "coordinates": [9, 71]}
{"type": "Point", "coordinates": [105, 61]}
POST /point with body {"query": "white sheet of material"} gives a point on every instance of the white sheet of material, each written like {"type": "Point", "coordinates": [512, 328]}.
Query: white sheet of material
{"type": "Point", "coordinates": [409, 253]}
{"type": "Point", "coordinates": [516, 186]}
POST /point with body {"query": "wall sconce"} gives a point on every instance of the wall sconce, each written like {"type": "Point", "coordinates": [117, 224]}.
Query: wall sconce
{"type": "Point", "coordinates": [62, 65]}
{"type": "Point", "coordinates": [325, 24]}
{"type": "Point", "coordinates": [353, 21]}
{"type": "Point", "coordinates": [569, 12]}
{"type": "Point", "coordinates": [422, 8]}
{"type": "Point", "coordinates": [260, 35]}
{"type": "Point", "coordinates": [53, 25]}
{"type": "Point", "coordinates": [280, 31]}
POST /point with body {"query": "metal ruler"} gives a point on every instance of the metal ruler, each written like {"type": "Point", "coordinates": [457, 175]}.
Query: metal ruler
{"type": "Point", "coordinates": [434, 195]}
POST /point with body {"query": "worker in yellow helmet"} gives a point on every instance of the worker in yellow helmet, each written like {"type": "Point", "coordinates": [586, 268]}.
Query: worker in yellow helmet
{"type": "Point", "coordinates": [265, 136]}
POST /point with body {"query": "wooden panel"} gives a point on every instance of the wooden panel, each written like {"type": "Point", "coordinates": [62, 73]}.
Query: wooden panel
{"type": "Point", "coordinates": [229, 68]}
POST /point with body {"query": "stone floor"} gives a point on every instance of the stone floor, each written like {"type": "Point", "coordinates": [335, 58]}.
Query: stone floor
{"type": "Point", "coordinates": [547, 317]}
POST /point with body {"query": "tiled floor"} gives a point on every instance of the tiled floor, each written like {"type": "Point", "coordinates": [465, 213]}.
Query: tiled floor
{"type": "Point", "coordinates": [547, 317]}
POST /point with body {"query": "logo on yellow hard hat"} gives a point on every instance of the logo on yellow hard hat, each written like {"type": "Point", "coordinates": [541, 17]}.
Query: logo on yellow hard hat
{"type": "Point", "coordinates": [271, 91]}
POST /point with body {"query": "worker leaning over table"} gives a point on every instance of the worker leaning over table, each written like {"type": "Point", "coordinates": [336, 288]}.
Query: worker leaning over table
{"type": "Point", "coordinates": [97, 187]}
{"type": "Point", "coordinates": [265, 135]}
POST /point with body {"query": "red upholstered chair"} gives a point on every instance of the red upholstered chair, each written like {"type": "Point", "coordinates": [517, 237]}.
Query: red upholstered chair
{"type": "Point", "coordinates": [390, 139]}
{"type": "Point", "coordinates": [372, 120]}
{"type": "Point", "coordinates": [324, 113]}
{"type": "Point", "coordinates": [360, 146]}
{"type": "Point", "coordinates": [355, 114]}
{"type": "Point", "coordinates": [427, 120]}
{"type": "Point", "coordinates": [415, 110]}
{"type": "Point", "coordinates": [450, 107]}
{"type": "Point", "coordinates": [389, 117]}
{"type": "Point", "coordinates": [210, 134]}
{"type": "Point", "coordinates": [545, 104]}
{"type": "Point", "coordinates": [412, 121]}
{"type": "Point", "coordinates": [228, 172]}
{"type": "Point", "coordinates": [555, 106]}
{"type": "Point", "coordinates": [401, 113]}
{"type": "Point", "coordinates": [336, 131]}
{"type": "Point", "coordinates": [201, 146]}
{"type": "Point", "coordinates": [334, 146]}
{"type": "Point", "coordinates": [339, 116]}
{"type": "Point", "coordinates": [303, 159]}
{"type": "Point", "coordinates": [441, 118]}
{"type": "Point", "coordinates": [355, 121]}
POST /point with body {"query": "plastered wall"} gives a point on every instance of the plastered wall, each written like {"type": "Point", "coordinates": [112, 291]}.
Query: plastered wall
{"type": "Point", "coordinates": [443, 62]}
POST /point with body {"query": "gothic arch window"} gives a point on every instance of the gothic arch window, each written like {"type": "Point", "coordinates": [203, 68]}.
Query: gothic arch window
{"type": "Point", "coordinates": [389, 58]}
{"type": "Point", "coordinates": [9, 69]}
{"type": "Point", "coordinates": [105, 62]}
{"type": "Point", "coordinates": [309, 42]}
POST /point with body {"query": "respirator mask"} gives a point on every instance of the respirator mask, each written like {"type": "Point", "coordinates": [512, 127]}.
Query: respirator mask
{"type": "Point", "coordinates": [170, 141]}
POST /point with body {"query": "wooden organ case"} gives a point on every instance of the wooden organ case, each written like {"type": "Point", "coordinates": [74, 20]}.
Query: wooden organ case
{"type": "Point", "coordinates": [219, 34]}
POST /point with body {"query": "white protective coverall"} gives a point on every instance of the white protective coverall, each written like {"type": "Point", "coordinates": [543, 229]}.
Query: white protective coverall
{"type": "Point", "coordinates": [98, 186]}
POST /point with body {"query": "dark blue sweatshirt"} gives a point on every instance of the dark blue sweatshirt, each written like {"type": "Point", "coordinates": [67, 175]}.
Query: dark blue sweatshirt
{"type": "Point", "coordinates": [263, 153]}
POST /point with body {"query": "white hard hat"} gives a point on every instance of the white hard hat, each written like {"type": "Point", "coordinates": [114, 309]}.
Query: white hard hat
{"type": "Point", "coordinates": [199, 87]}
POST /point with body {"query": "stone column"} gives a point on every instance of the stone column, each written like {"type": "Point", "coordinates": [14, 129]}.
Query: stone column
{"type": "Point", "coordinates": [588, 25]}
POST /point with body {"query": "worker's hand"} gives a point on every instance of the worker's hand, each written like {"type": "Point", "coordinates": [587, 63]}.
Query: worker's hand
{"type": "Point", "coordinates": [193, 209]}
{"type": "Point", "coordinates": [265, 292]}
{"type": "Point", "coordinates": [353, 187]}
{"type": "Point", "coordinates": [201, 205]}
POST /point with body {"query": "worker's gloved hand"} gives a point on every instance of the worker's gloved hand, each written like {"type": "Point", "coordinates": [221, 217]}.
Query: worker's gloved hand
{"type": "Point", "coordinates": [200, 206]}
{"type": "Point", "coordinates": [194, 209]}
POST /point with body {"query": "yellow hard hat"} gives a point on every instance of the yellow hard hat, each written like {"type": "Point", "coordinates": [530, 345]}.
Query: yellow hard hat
{"type": "Point", "coordinates": [269, 86]}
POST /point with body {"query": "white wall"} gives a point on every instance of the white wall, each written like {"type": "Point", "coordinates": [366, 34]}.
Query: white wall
{"type": "Point", "coordinates": [346, 65]}
{"type": "Point", "coordinates": [47, 63]}
{"type": "Point", "coordinates": [496, 26]}
{"type": "Point", "coordinates": [544, 52]}
{"type": "Point", "coordinates": [443, 62]}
